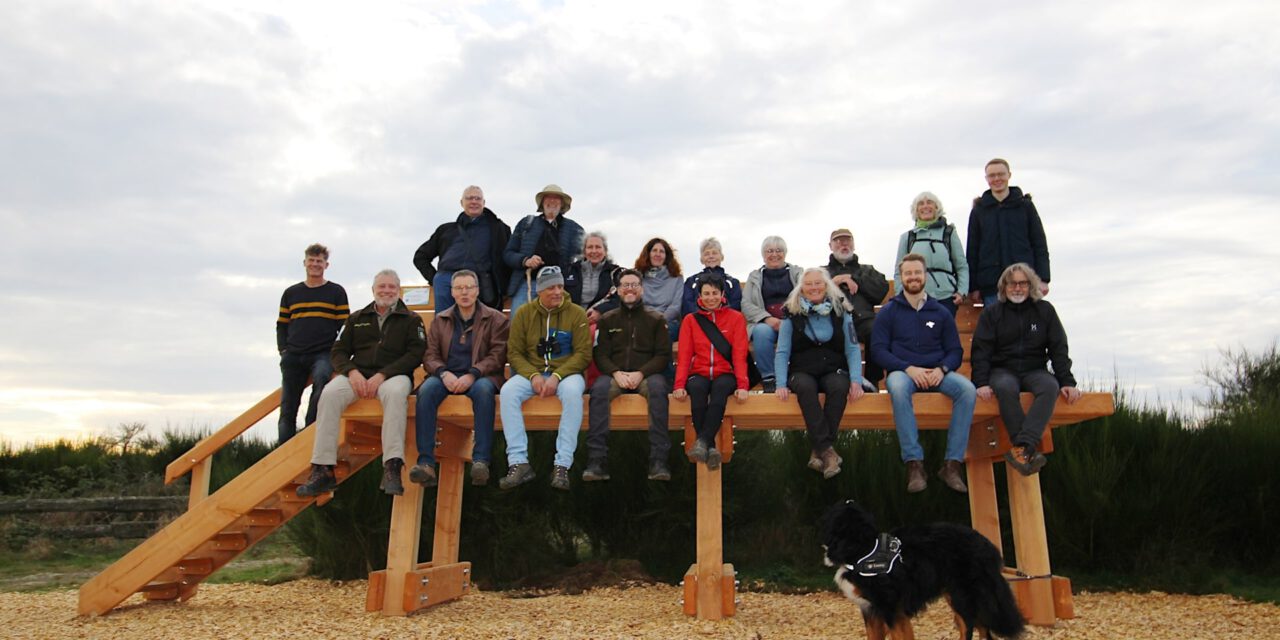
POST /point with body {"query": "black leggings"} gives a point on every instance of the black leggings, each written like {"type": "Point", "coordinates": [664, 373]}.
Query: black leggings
{"type": "Point", "coordinates": [822, 422]}
{"type": "Point", "coordinates": [708, 398]}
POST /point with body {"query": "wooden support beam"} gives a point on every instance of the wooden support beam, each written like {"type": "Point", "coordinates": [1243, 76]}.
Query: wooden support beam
{"type": "Point", "coordinates": [453, 449]}
{"type": "Point", "coordinates": [710, 541]}
{"type": "Point", "coordinates": [1031, 545]}
{"type": "Point", "coordinates": [200, 474]}
{"type": "Point", "coordinates": [406, 529]}
{"type": "Point", "coordinates": [434, 584]}
{"type": "Point", "coordinates": [984, 509]}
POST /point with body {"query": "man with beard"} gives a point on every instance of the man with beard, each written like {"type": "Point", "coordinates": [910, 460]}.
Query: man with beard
{"type": "Point", "coordinates": [1016, 337]}
{"type": "Point", "coordinates": [374, 356]}
{"type": "Point", "coordinates": [916, 341]}
{"type": "Point", "coordinates": [474, 241]}
{"type": "Point", "coordinates": [1004, 228]}
{"type": "Point", "coordinates": [863, 286]}
{"type": "Point", "coordinates": [632, 350]}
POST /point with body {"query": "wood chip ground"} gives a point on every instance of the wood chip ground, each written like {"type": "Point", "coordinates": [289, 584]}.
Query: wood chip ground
{"type": "Point", "coordinates": [317, 609]}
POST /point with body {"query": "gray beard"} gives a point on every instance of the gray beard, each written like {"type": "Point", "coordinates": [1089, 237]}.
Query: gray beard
{"type": "Point", "coordinates": [845, 257]}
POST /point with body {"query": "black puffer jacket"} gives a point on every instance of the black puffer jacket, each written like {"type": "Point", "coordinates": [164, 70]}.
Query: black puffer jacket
{"type": "Point", "coordinates": [1001, 233]}
{"type": "Point", "coordinates": [1021, 338]}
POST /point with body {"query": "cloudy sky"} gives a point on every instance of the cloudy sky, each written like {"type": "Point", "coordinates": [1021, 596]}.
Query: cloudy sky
{"type": "Point", "coordinates": [164, 164]}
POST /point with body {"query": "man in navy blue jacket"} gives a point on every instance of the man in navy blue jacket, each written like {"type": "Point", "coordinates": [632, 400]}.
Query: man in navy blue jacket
{"type": "Point", "coordinates": [916, 341]}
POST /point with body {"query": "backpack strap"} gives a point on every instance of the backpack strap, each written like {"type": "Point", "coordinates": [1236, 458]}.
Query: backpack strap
{"type": "Point", "coordinates": [717, 338]}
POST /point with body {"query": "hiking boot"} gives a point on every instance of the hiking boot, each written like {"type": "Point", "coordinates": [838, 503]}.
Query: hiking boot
{"type": "Point", "coordinates": [713, 459]}
{"type": "Point", "coordinates": [915, 476]}
{"type": "Point", "coordinates": [596, 471]}
{"type": "Point", "coordinates": [658, 471]}
{"type": "Point", "coordinates": [391, 484]}
{"type": "Point", "coordinates": [517, 474]}
{"type": "Point", "coordinates": [560, 478]}
{"type": "Point", "coordinates": [698, 453]}
{"type": "Point", "coordinates": [769, 385]}
{"type": "Point", "coordinates": [1025, 459]}
{"type": "Point", "coordinates": [423, 474]}
{"type": "Point", "coordinates": [321, 481]}
{"type": "Point", "coordinates": [950, 474]}
{"type": "Point", "coordinates": [479, 473]}
{"type": "Point", "coordinates": [815, 462]}
{"type": "Point", "coordinates": [830, 463]}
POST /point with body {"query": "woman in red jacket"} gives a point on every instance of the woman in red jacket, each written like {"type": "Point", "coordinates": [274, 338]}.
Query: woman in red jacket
{"type": "Point", "coordinates": [711, 365]}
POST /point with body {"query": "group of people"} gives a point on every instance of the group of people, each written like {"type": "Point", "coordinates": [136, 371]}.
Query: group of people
{"type": "Point", "coordinates": [581, 324]}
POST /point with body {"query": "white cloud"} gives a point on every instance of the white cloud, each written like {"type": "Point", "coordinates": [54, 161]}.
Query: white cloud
{"type": "Point", "coordinates": [166, 163]}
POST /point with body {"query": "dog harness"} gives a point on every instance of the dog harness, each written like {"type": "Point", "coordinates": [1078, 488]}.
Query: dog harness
{"type": "Point", "coordinates": [882, 558]}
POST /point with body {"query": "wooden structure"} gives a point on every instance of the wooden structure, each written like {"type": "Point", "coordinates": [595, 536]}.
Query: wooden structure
{"type": "Point", "coordinates": [216, 528]}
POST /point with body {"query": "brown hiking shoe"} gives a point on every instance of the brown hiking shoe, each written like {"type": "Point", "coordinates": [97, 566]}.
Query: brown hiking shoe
{"type": "Point", "coordinates": [1025, 459]}
{"type": "Point", "coordinates": [479, 473]}
{"type": "Point", "coordinates": [391, 484]}
{"type": "Point", "coordinates": [950, 474]}
{"type": "Point", "coordinates": [830, 463]}
{"type": "Point", "coordinates": [915, 476]}
{"type": "Point", "coordinates": [815, 462]}
{"type": "Point", "coordinates": [560, 478]}
{"type": "Point", "coordinates": [321, 481]}
{"type": "Point", "coordinates": [424, 475]}
{"type": "Point", "coordinates": [517, 474]}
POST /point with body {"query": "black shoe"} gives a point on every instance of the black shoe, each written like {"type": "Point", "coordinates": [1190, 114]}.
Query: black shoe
{"type": "Point", "coordinates": [479, 473]}
{"type": "Point", "coordinates": [698, 452]}
{"type": "Point", "coordinates": [658, 471]}
{"type": "Point", "coordinates": [769, 385]}
{"type": "Point", "coordinates": [424, 475]}
{"type": "Point", "coordinates": [560, 478]}
{"type": "Point", "coordinates": [517, 474]}
{"type": "Point", "coordinates": [321, 481]}
{"type": "Point", "coordinates": [391, 484]}
{"type": "Point", "coordinates": [713, 459]}
{"type": "Point", "coordinates": [596, 471]}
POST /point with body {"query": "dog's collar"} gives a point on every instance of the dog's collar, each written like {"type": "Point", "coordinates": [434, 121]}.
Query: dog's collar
{"type": "Point", "coordinates": [881, 559]}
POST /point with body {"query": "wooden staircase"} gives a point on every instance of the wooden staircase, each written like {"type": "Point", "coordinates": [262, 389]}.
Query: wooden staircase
{"type": "Point", "coordinates": [171, 564]}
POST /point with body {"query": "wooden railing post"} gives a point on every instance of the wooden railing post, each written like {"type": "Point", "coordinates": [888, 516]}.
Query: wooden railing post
{"type": "Point", "coordinates": [200, 473]}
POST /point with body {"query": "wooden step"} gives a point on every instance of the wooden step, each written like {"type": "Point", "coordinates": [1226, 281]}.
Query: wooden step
{"type": "Point", "coordinates": [265, 517]}
{"type": "Point", "coordinates": [160, 591]}
{"type": "Point", "coordinates": [195, 566]}
{"type": "Point", "coordinates": [230, 541]}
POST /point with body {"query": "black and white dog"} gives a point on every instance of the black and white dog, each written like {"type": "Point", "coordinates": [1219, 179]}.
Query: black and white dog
{"type": "Point", "coordinates": [893, 576]}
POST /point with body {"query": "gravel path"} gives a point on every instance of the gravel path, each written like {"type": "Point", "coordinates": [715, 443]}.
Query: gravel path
{"type": "Point", "coordinates": [313, 608]}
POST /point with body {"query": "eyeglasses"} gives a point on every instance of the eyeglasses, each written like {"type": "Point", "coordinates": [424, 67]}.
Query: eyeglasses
{"type": "Point", "coordinates": [1018, 284]}
{"type": "Point", "coordinates": [999, 174]}
{"type": "Point", "coordinates": [464, 287]}
{"type": "Point", "coordinates": [549, 269]}
{"type": "Point", "coordinates": [631, 285]}
{"type": "Point", "coordinates": [775, 250]}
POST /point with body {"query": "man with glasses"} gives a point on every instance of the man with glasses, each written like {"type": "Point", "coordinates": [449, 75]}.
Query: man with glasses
{"type": "Point", "coordinates": [1016, 337]}
{"type": "Point", "coordinates": [916, 341]}
{"type": "Point", "coordinates": [1004, 228]}
{"type": "Point", "coordinates": [633, 349]}
{"type": "Point", "coordinates": [549, 348]}
{"type": "Point", "coordinates": [863, 286]}
{"type": "Point", "coordinates": [474, 241]}
{"type": "Point", "coordinates": [466, 354]}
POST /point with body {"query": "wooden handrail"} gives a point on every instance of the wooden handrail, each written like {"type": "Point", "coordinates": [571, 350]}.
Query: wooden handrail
{"type": "Point", "coordinates": [214, 442]}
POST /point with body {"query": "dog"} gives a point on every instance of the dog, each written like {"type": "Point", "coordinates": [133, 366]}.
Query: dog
{"type": "Point", "coordinates": [893, 576]}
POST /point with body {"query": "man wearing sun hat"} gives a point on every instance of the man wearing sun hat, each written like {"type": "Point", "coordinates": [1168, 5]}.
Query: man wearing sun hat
{"type": "Point", "coordinates": [549, 347]}
{"type": "Point", "coordinates": [544, 238]}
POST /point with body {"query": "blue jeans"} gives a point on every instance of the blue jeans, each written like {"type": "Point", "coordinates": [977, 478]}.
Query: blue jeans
{"type": "Point", "coordinates": [431, 394]}
{"type": "Point", "coordinates": [518, 389]}
{"type": "Point", "coordinates": [764, 341]}
{"type": "Point", "coordinates": [954, 386]}
{"type": "Point", "coordinates": [990, 300]}
{"type": "Point", "coordinates": [442, 291]}
{"type": "Point", "coordinates": [294, 370]}
{"type": "Point", "coordinates": [521, 296]}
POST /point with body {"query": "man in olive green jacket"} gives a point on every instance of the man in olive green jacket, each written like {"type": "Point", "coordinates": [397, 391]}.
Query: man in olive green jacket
{"type": "Point", "coordinates": [549, 348]}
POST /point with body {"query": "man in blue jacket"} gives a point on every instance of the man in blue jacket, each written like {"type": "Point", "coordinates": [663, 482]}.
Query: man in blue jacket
{"type": "Point", "coordinates": [916, 341]}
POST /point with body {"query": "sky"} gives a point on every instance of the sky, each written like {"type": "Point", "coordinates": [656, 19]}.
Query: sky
{"type": "Point", "coordinates": [165, 163]}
